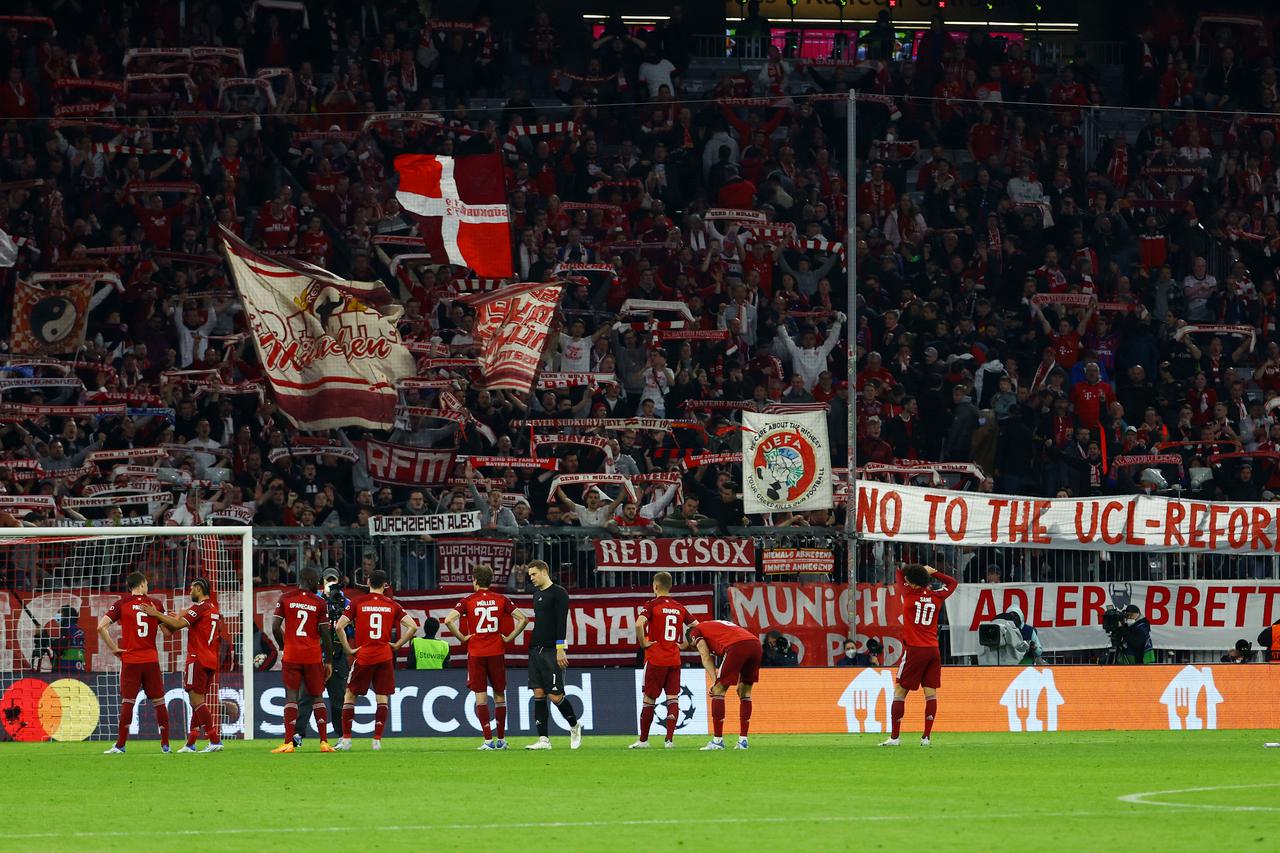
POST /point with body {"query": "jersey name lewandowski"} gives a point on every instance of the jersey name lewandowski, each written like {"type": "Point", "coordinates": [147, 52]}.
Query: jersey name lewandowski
{"type": "Point", "coordinates": [921, 608]}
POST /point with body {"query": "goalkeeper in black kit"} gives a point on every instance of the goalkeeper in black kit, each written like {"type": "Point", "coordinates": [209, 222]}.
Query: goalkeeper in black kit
{"type": "Point", "coordinates": [549, 656]}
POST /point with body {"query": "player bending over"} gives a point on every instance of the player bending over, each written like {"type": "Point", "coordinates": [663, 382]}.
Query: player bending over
{"type": "Point", "coordinates": [139, 662]}
{"type": "Point", "coordinates": [375, 616]}
{"type": "Point", "coordinates": [658, 630]}
{"type": "Point", "coordinates": [485, 610]}
{"type": "Point", "coordinates": [740, 652]}
{"type": "Point", "coordinates": [300, 624]}
{"type": "Point", "coordinates": [921, 663]}
{"type": "Point", "coordinates": [204, 640]}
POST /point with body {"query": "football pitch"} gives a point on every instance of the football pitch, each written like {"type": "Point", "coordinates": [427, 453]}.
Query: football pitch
{"type": "Point", "coordinates": [1062, 791]}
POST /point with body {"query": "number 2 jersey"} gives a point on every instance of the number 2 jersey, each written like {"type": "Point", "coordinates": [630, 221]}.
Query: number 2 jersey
{"type": "Point", "coordinates": [204, 633]}
{"type": "Point", "coordinates": [484, 613]}
{"type": "Point", "coordinates": [304, 613]}
{"type": "Point", "coordinates": [921, 608]}
{"type": "Point", "coordinates": [666, 620]}
{"type": "Point", "coordinates": [375, 616]}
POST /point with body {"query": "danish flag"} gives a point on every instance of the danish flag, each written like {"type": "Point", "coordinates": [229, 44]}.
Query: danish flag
{"type": "Point", "coordinates": [462, 208]}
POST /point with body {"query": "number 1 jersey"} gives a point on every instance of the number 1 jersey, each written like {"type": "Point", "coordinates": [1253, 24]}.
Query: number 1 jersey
{"type": "Point", "coordinates": [920, 610]}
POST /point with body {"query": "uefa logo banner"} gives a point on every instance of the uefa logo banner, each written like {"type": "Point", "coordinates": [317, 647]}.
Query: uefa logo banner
{"type": "Point", "coordinates": [786, 463]}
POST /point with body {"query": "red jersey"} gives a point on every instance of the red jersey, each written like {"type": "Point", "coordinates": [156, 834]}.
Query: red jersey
{"type": "Point", "coordinates": [1090, 400]}
{"type": "Point", "coordinates": [303, 613]}
{"type": "Point", "coordinates": [666, 620]}
{"type": "Point", "coordinates": [375, 616]}
{"type": "Point", "coordinates": [138, 628]}
{"type": "Point", "coordinates": [720, 634]}
{"type": "Point", "coordinates": [158, 224]}
{"type": "Point", "coordinates": [204, 633]}
{"type": "Point", "coordinates": [920, 609]}
{"type": "Point", "coordinates": [484, 613]}
{"type": "Point", "coordinates": [1066, 349]}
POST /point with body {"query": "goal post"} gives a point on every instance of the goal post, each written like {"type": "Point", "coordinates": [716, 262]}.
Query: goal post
{"type": "Point", "coordinates": [57, 683]}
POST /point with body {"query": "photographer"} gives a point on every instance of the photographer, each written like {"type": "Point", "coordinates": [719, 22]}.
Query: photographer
{"type": "Point", "coordinates": [1130, 636]}
{"type": "Point", "coordinates": [778, 651]}
{"type": "Point", "coordinates": [1242, 653]}
{"type": "Point", "coordinates": [852, 657]}
{"type": "Point", "coordinates": [1009, 643]}
{"type": "Point", "coordinates": [1270, 640]}
{"type": "Point", "coordinates": [335, 601]}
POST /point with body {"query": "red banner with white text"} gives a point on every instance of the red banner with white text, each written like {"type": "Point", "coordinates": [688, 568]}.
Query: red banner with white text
{"type": "Point", "coordinates": [456, 558]}
{"type": "Point", "coordinates": [816, 617]}
{"type": "Point", "coordinates": [895, 513]}
{"type": "Point", "coordinates": [688, 553]}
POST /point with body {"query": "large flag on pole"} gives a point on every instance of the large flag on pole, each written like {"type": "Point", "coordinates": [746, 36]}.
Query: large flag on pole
{"type": "Point", "coordinates": [461, 205]}
{"type": "Point", "coordinates": [328, 346]}
{"type": "Point", "coordinates": [511, 328]}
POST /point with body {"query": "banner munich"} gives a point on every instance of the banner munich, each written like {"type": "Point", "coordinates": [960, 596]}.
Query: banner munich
{"type": "Point", "coordinates": [894, 513]}
{"type": "Point", "coordinates": [329, 347]}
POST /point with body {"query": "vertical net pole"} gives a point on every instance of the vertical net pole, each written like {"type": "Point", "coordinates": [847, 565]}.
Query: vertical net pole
{"type": "Point", "coordinates": [247, 650]}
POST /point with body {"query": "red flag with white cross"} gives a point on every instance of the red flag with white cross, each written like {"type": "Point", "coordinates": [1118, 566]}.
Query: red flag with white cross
{"type": "Point", "coordinates": [461, 205]}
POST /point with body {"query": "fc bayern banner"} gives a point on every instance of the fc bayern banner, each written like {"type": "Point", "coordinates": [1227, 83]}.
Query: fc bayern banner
{"type": "Point", "coordinates": [461, 205]}
{"type": "Point", "coordinates": [50, 322]}
{"type": "Point", "coordinates": [1184, 615]}
{"type": "Point", "coordinates": [894, 513]}
{"type": "Point", "coordinates": [786, 463]}
{"type": "Point", "coordinates": [401, 465]}
{"type": "Point", "coordinates": [511, 328]}
{"type": "Point", "coordinates": [329, 347]}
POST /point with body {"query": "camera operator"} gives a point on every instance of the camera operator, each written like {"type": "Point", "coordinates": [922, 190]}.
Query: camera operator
{"type": "Point", "coordinates": [852, 657]}
{"type": "Point", "coordinates": [1270, 640]}
{"type": "Point", "coordinates": [335, 601]}
{"type": "Point", "coordinates": [778, 651]}
{"type": "Point", "coordinates": [1130, 636]}
{"type": "Point", "coordinates": [1242, 653]}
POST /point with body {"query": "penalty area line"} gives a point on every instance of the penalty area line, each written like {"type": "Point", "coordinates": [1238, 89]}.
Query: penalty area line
{"type": "Point", "coordinates": [1142, 798]}
{"type": "Point", "coordinates": [566, 824]}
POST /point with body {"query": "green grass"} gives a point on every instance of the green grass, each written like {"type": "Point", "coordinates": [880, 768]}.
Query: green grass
{"type": "Point", "coordinates": [968, 792]}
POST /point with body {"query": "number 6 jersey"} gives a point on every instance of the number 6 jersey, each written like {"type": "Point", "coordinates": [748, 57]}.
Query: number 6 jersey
{"type": "Point", "coordinates": [485, 613]}
{"type": "Point", "coordinates": [667, 618]}
{"type": "Point", "coordinates": [921, 608]}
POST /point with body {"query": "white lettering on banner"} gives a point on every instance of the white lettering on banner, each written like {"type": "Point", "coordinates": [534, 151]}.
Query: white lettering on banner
{"type": "Point", "coordinates": [701, 553]}
{"type": "Point", "coordinates": [866, 701]}
{"type": "Point", "coordinates": [1186, 615]}
{"type": "Point", "coordinates": [895, 513]}
{"type": "Point", "coordinates": [414, 525]}
{"type": "Point", "coordinates": [1182, 699]}
{"type": "Point", "coordinates": [1022, 700]}
{"type": "Point", "coordinates": [816, 617]}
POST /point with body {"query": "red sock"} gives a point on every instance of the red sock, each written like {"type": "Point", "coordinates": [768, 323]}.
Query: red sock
{"type": "Point", "coordinates": [646, 722]}
{"type": "Point", "coordinates": [744, 717]}
{"type": "Point", "coordinates": [348, 718]}
{"type": "Point", "coordinates": [193, 729]}
{"type": "Point", "coordinates": [930, 711]}
{"type": "Point", "coordinates": [482, 711]}
{"type": "Point", "coordinates": [379, 720]}
{"type": "Point", "coordinates": [162, 723]}
{"type": "Point", "coordinates": [290, 721]}
{"type": "Point", "coordinates": [717, 716]}
{"type": "Point", "coordinates": [673, 717]}
{"type": "Point", "coordinates": [500, 713]}
{"type": "Point", "coordinates": [126, 719]}
{"type": "Point", "coordinates": [211, 724]}
{"type": "Point", "coordinates": [321, 713]}
{"type": "Point", "coordinates": [899, 707]}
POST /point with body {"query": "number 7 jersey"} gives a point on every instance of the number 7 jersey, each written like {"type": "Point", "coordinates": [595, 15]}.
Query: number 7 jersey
{"type": "Point", "coordinates": [666, 620]}
{"type": "Point", "coordinates": [921, 608]}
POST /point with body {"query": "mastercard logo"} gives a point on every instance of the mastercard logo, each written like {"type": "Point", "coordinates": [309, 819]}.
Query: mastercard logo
{"type": "Point", "coordinates": [35, 710]}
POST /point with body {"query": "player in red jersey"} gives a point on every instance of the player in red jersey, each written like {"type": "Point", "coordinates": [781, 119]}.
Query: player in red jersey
{"type": "Point", "coordinates": [140, 664]}
{"type": "Point", "coordinates": [485, 611]}
{"type": "Point", "coordinates": [300, 624]}
{"type": "Point", "coordinates": [204, 640]}
{"type": "Point", "coordinates": [921, 663]}
{"type": "Point", "coordinates": [658, 631]}
{"type": "Point", "coordinates": [374, 616]}
{"type": "Point", "coordinates": [740, 652]}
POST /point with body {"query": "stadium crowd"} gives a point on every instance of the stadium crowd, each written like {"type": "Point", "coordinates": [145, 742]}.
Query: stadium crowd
{"type": "Point", "coordinates": [1041, 322]}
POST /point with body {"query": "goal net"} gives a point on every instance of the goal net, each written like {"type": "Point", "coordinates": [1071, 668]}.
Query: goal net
{"type": "Point", "coordinates": [58, 681]}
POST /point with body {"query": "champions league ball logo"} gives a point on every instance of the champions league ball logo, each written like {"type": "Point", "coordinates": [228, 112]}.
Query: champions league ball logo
{"type": "Point", "coordinates": [784, 465]}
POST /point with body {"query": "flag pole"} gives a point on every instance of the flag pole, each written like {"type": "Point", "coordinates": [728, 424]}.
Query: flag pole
{"type": "Point", "coordinates": [851, 272]}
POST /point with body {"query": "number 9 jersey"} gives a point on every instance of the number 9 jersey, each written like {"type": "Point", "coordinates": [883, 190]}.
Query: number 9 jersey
{"type": "Point", "coordinates": [375, 616]}
{"type": "Point", "coordinates": [921, 608]}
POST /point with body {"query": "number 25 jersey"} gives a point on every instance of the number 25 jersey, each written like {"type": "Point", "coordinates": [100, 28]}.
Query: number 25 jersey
{"type": "Point", "coordinates": [921, 608]}
{"type": "Point", "coordinates": [485, 613]}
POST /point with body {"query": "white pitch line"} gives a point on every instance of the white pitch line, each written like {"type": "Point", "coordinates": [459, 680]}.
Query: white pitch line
{"type": "Point", "coordinates": [1141, 798]}
{"type": "Point", "coordinates": [579, 824]}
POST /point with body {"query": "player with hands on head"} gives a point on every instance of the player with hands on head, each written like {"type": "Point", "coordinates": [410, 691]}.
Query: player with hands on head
{"type": "Point", "coordinates": [204, 640]}
{"type": "Point", "coordinates": [485, 611]}
{"type": "Point", "coordinates": [921, 664]}
{"type": "Point", "coordinates": [375, 616]}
